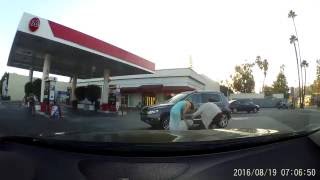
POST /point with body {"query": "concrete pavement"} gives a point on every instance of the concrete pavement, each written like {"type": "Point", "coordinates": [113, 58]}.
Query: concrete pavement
{"type": "Point", "coordinates": [277, 119]}
{"type": "Point", "coordinates": [16, 120]}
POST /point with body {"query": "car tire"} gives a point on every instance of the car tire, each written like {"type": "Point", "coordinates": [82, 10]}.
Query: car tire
{"type": "Point", "coordinates": [234, 110]}
{"type": "Point", "coordinates": [223, 121]}
{"type": "Point", "coordinates": [165, 123]}
{"type": "Point", "coordinates": [255, 110]}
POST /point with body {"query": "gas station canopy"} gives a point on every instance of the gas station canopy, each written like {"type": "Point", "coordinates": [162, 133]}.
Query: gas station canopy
{"type": "Point", "coordinates": [72, 52]}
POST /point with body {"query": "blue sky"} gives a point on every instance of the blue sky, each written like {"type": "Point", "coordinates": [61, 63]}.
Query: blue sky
{"type": "Point", "coordinates": [10, 15]}
{"type": "Point", "coordinates": [217, 34]}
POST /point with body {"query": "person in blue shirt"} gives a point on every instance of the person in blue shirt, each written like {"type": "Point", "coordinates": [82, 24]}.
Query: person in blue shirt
{"type": "Point", "coordinates": [177, 113]}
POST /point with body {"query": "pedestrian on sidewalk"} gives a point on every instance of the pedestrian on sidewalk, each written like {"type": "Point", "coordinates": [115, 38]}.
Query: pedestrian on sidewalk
{"type": "Point", "coordinates": [31, 101]}
{"type": "Point", "coordinates": [23, 102]}
{"type": "Point", "coordinates": [55, 111]}
{"type": "Point", "coordinates": [96, 106]}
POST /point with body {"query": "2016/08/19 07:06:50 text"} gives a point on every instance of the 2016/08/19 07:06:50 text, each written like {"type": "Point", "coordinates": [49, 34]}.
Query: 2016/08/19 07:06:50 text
{"type": "Point", "coordinates": [274, 172]}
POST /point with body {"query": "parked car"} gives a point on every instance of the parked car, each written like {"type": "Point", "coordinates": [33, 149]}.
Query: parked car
{"type": "Point", "coordinates": [282, 105]}
{"type": "Point", "coordinates": [158, 116]}
{"type": "Point", "coordinates": [247, 106]}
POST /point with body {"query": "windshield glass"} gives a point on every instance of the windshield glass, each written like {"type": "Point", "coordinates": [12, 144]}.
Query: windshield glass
{"type": "Point", "coordinates": [160, 71]}
{"type": "Point", "coordinates": [177, 98]}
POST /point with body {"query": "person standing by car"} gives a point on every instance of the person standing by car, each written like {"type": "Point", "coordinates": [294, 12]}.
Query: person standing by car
{"type": "Point", "coordinates": [32, 104]}
{"type": "Point", "coordinates": [208, 111]}
{"type": "Point", "coordinates": [177, 113]}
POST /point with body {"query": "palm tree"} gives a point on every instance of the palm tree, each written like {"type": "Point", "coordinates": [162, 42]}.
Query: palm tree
{"type": "Point", "coordinates": [263, 66]}
{"type": "Point", "coordinates": [292, 15]}
{"type": "Point", "coordinates": [304, 64]}
{"type": "Point", "coordinates": [293, 40]}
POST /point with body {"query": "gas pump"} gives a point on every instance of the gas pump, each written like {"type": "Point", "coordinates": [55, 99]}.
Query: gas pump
{"type": "Point", "coordinates": [114, 98]}
{"type": "Point", "coordinates": [49, 93]}
{"type": "Point", "coordinates": [118, 98]}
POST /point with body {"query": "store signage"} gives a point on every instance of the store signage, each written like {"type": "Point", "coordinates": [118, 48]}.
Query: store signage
{"type": "Point", "coordinates": [34, 24]}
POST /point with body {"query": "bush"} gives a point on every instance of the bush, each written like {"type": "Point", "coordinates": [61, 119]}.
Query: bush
{"type": "Point", "coordinates": [80, 93]}
{"type": "Point", "coordinates": [28, 89]}
{"type": "Point", "coordinates": [36, 88]}
{"type": "Point", "coordinates": [93, 93]}
{"type": "Point", "coordinates": [33, 88]}
{"type": "Point", "coordinates": [6, 98]}
{"type": "Point", "coordinates": [74, 104]}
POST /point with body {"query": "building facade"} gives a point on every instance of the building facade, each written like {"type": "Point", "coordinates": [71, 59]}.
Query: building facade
{"type": "Point", "coordinates": [149, 89]}
{"type": "Point", "coordinates": [13, 86]}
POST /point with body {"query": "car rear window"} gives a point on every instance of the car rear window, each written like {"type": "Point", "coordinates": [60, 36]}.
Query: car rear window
{"type": "Point", "coordinates": [207, 96]}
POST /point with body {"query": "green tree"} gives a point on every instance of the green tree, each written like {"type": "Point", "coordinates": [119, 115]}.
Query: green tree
{"type": "Point", "coordinates": [293, 40]}
{"type": "Point", "coordinates": [315, 87]}
{"type": "Point", "coordinates": [225, 90]}
{"type": "Point", "coordinates": [36, 88]}
{"type": "Point", "coordinates": [281, 84]}
{"type": "Point", "coordinates": [293, 15]}
{"type": "Point", "coordinates": [80, 93]}
{"type": "Point", "coordinates": [263, 66]}
{"type": "Point", "coordinates": [243, 80]}
{"type": "Point", "coordinates": [28, 89]}
{"type": "Point", "coordinates": [3, 78]}
{"type": "Point", "coordinates": [304, 64]}
{"type": "Point", "coordinates": [93, 93]}
{"type": "Point", "coordinates": [268, 90]}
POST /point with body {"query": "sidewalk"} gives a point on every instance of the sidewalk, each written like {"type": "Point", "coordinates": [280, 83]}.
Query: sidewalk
{"type": "Point", "coordinates": [312, 109]}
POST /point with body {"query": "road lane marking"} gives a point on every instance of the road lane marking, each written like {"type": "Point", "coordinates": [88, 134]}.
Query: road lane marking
{"type": "Point", "coordinates": [239, 118]}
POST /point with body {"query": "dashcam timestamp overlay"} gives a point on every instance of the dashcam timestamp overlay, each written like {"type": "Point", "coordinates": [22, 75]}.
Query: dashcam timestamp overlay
{"type": "Point", "coordinates": [272, 172]}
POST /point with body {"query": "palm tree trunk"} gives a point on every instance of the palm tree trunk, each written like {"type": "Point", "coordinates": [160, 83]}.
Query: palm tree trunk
{"type": "Point", "coordinates": [298, 45]}
{"type": "Point", "coordinates": [263, 83]}
{"type": "Point", "coordinates": [295, 50]}
{"type": "Point", "coordinates": [305, 83]}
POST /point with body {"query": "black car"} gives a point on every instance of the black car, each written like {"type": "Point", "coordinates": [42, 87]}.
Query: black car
{"type": "Point", "coordinates": [282, 105]}
{"type": "Point", "coordinates": [158, 116]}
{"type": "Point", "coordinates": [247, 106]}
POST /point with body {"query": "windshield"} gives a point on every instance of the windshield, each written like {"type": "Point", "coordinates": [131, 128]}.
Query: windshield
{"type": "Point", "coordinates": [160, 71]}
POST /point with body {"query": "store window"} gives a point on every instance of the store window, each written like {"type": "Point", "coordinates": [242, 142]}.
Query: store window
{"type": "Point", "coordinates": [149, 100]}
{"type": "Point", "coordinates": [124, 100]}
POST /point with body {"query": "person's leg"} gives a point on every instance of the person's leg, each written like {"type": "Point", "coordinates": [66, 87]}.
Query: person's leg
{"type": "Point", "coordinates": [174, 120]}
{"type": "Point", "coordinates": [215, 121]}
{"type": "Point", "coordinates": [33, 110]}
{"type": "Point", "coordinates": [182, 125]}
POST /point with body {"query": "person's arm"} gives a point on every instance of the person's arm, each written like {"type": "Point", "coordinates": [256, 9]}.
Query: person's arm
{"type": "Point", "coordinates": [198, 112]}
{"type": "Point", "coordinates": [184, 114]}
{"type": "Point", "coordinates": [186, 109]}
{"type": "Point", "coordinates": [188, 122]}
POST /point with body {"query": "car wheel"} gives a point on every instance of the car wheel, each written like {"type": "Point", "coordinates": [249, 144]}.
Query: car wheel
{"type": "Point", "coordinates": [255, 110]}
{"type": "Point", "coordinates": [223, 121]}
{"type": "Point", "coordinates": [234, 110]}
{"type": "Point", "coordinates": [165, 123]}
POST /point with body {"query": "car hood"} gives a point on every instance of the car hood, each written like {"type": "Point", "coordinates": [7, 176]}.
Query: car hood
{"type": "Point", "coordinates": [161, 136]}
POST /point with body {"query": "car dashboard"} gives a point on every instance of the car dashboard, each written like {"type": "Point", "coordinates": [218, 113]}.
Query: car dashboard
{"type": "Point", "coordinates": [24, 161]}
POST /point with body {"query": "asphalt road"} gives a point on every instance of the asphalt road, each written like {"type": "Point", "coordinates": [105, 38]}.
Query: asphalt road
{"type": "Point", "coordinates": [16, 120]}
{"type": "Point", "coordinates": [272, 118]}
